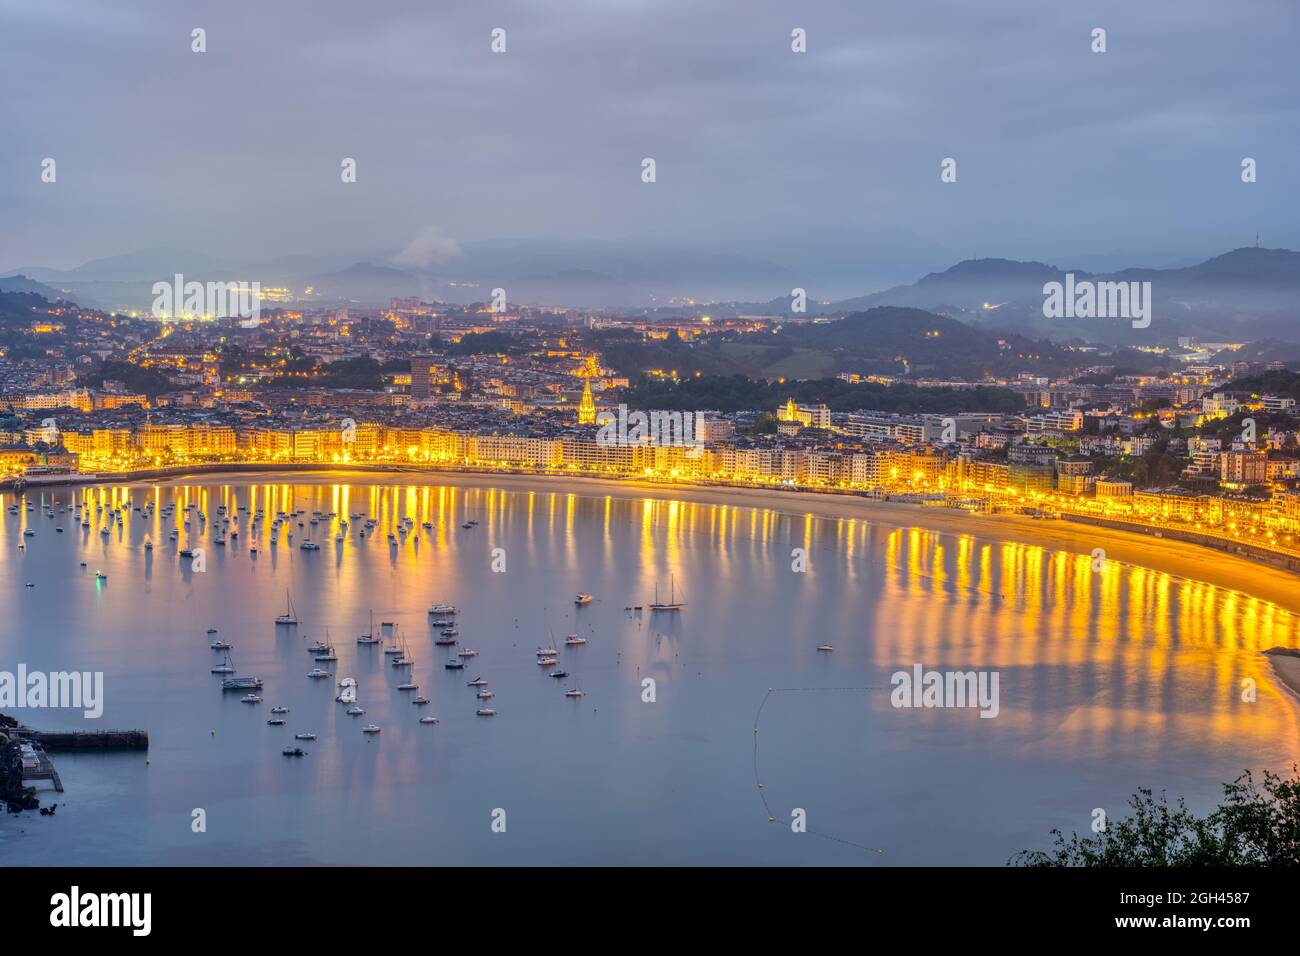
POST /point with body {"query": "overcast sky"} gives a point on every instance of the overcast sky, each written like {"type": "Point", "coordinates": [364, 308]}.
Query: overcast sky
{"type": "Point", "coordinates": [834, 153]}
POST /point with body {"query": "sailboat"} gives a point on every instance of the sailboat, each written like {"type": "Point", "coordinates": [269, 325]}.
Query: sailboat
{"type": "Point", "coordinates": [672, 605]}
{"type": "Point", "coordinates": [325, 652]}
{"type": "Point", "coordinates": [227, 666]}
{"type": "Point", "coordinates": [404, 659]}
{"type": "Point", "coordinates": [394, 648]}
{"type": "Point", "coordinates": [289, 618]}
{"type": "Point", "coordinates": [369, 636]}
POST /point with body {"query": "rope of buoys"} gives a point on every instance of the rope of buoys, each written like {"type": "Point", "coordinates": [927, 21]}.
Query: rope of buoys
{"type": "Point", "coordinates": [762, 793]}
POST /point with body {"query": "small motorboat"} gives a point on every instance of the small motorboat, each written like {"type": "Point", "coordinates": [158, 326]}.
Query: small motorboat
{"type": "Point", "coordinates": [548, 662]}
{"type": "Point", "coordinates": [558, 674]}
{"type": "Point", "coordinates": [486, 694]}
{"type": "Point", "coordinates": [371, 729]}
{"type": "Point", "coordinates": [316, 673]}
{"type": "Point", "coordinates": [428, 720]}
{"type": "Point", "coordinates": [303, 736]}
{"type": "Point", "coordinates": [408, 686]}
{"type": "Point", "coordinates": [454, 664]}
{"type": "Point", "coordinates": [477, 682]}
{"type": "Point", "coordinates": [825, 647]}
{"type": "Point", "coordinates": [356, 711]}
{"type": "Point", "coordinates": [280, 710]}
{"type": "Point", "coordinates": [573, 693]}
{"type": "Point", "coordinates": [242, 683]}
{"type": "Point", "coordinates": [466, 652]}
{"type": "Point", "coordinates": [276, 721]}
{"type": "Point", "coordinates": [574, 640]}
{"type": "Point", "coordinates": [485, 712]}
{"type": "Point", "coordinates": [294, 752]}
{"type": "Point", "coordinates": [251, 699]}
{"type": "Point", "coordinates": [582, 599]}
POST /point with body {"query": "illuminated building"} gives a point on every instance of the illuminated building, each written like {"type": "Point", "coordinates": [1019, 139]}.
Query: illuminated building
{"type": "Point", "coordinates": [587, 407]}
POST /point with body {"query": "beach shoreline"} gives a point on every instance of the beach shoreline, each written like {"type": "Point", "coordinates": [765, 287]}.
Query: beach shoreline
{"type": "Point", "coordinates": [1179, 559]}
{"type": "Point", "coordinates": [1287, 671]}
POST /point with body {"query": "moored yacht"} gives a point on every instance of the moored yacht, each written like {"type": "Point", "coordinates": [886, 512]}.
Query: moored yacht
{"type": "Point", "coordinates": [672, 604]}
{"type": "Point", "coordinates": [289, 618]}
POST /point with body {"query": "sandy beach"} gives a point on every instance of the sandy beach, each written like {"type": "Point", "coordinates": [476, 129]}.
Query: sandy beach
{"type": "Point", "coordinates": [1287, 670]}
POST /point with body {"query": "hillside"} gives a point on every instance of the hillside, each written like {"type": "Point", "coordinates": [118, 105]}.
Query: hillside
{"type": "Point", "coordinates": [1246, 294]}
{"type": "Point", "coordinates": [882, 341]}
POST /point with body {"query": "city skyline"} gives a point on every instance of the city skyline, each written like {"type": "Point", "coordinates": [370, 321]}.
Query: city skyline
{"type": "Point", "coordinates": [516, 434]}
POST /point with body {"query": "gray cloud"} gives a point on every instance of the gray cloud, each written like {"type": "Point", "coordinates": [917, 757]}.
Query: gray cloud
{"type": "Point", "coordinates": [825, 161]}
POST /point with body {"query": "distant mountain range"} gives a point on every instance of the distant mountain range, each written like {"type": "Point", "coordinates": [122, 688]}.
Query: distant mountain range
{"type": "Point", "coordinates": [1247, 294]}
{"type": "Point", "coordinates": [575, 274]}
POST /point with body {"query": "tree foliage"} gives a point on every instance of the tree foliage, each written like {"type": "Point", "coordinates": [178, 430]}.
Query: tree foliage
{"type": "Point", "coordinates": [1257, 824]}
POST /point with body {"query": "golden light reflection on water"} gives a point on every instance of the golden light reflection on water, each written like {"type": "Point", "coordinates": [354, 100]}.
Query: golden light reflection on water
{"type": "Point", "coordinates": [1135, 650]}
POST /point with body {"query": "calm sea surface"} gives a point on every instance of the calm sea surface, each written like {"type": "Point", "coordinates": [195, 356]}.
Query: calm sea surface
{"type": "Point", "coordinates": [1108, 682]}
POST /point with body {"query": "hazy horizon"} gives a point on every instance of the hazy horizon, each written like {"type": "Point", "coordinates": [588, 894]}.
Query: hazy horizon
{"type": "Point", "coordinates": [823, 166]}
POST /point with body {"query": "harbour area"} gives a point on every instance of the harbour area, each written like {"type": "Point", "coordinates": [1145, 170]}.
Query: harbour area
{"type": "Point", "coordinates": [25, 760]}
